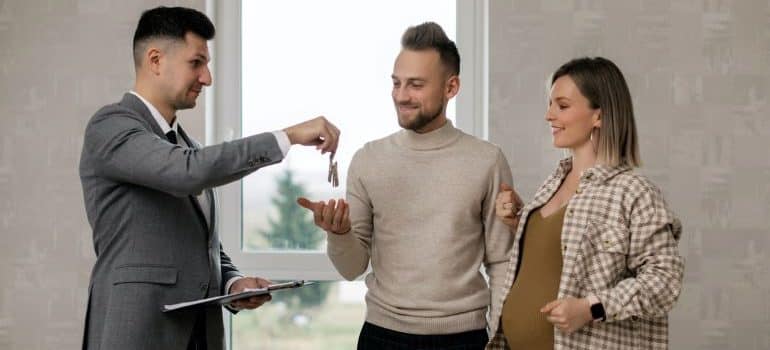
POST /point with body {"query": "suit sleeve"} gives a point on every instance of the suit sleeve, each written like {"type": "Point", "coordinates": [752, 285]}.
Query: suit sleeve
{"type": "Point", "coordinates": [123, 148]}
{"type": "Point", "coordinates": [228, 269]}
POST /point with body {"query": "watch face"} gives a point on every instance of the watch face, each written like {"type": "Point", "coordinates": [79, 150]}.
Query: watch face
{"type": "Point", "coordinates": [597, 311]}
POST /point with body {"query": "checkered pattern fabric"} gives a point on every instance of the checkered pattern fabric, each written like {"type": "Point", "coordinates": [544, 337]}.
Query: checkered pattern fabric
{"type": "Point", "coordinates": [619, 242]}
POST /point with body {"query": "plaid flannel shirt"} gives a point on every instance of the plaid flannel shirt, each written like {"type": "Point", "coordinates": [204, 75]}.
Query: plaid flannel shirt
{"type": "Point", "coordinates": [619, 243]}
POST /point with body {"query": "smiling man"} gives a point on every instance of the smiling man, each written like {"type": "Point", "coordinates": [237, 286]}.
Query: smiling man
{"type": "Point", "coordinates": [148, 195]}
{"type": "Point", "coordinates": [420, 207]}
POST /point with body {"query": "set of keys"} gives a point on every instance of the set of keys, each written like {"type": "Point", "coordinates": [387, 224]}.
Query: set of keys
{"type": "Point", "coordinates": [333, 178]}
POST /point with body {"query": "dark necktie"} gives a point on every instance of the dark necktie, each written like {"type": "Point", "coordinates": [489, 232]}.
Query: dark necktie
{"type": "Point", "coordinates": [171, 136]}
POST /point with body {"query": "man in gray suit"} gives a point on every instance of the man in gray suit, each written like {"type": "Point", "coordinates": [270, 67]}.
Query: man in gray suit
{"type": "Point", "coordinates": [147, 188]}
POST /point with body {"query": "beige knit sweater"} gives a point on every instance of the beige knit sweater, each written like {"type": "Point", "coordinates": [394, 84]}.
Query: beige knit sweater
{"type": "Point", "coordinates": [422, 211]}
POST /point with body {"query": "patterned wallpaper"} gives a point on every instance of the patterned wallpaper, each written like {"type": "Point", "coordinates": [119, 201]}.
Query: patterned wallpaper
{"type": "Point", "coordinates": [60, 61]}
{"type": "Point", "coordinates": [698, 72]}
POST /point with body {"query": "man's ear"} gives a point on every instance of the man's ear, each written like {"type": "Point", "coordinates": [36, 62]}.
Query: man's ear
{"type": "Point", "coordinates": [152, 57]}
{"type": "Point", "coordinates": [452, 86]}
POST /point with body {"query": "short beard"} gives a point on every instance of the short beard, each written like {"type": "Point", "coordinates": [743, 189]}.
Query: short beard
{"type": "Point", "coordinates": [422, 120]}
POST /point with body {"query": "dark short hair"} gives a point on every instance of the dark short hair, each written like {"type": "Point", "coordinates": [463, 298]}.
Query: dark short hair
{"type": "Point", "coordinates": [603, 84]}
{"type": "Point", "coordinates": [169, 23]}
{"type": "Point", "coordinates": [430, 35]}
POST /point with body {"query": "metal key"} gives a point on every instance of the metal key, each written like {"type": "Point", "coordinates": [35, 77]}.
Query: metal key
{"type": "Point", "coordinates": [332, 176]}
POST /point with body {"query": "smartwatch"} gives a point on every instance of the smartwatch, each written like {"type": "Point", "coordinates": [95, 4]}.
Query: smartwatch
{"type": "Point", "coordinates": [597, 309]}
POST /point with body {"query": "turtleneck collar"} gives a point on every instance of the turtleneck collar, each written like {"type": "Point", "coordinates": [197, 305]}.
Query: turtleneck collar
{"type": "Point", "coordinates": [439, 138]}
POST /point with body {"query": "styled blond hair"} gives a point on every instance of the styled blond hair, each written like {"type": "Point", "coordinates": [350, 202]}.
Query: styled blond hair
{"type": "Point", "coordinates": [430, 35]}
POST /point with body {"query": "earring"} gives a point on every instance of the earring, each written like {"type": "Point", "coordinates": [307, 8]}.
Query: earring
{"type": "Point", "coordinates": [591, 140]}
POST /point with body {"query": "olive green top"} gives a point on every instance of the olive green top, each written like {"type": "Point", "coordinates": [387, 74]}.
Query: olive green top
{"type": "Point", "coordinates": [536, 284]}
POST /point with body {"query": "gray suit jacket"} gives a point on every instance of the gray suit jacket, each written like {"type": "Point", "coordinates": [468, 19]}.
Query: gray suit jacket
{"type": "Point", "coordinates": [153, 245]}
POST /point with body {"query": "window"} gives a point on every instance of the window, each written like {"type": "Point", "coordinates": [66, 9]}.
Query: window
{"type": "Point", "coordinates": [280, 63]}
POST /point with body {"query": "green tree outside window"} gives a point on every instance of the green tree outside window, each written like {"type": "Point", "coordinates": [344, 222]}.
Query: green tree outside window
{"type": "Point", "coordinates": [293, 228]}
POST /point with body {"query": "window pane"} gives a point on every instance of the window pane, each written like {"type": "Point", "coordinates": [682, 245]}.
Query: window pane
{"type": "Point", "coordinates": [328, 316]}
{"type": "Point", "coordinates": [302, 59]}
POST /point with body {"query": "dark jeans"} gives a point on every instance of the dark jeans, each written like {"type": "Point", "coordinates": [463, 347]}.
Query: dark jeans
{"type": "Point", "coordinates": [377, 338]}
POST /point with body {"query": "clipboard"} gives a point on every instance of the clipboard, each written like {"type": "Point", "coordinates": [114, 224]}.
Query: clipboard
{"type": "Point", "coordinates": [229, 298]}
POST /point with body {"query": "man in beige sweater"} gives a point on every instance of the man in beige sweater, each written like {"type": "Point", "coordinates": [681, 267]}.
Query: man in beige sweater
{"type": "Point", "coordinates": [420, 206]}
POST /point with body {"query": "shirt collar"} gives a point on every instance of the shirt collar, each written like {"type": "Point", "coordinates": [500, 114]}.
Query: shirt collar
{"type": "Point", "coordinates": [603, 173]}
{"type": "Point", "coordinates": [599, 172]}
{"type": "Point", "coordinates": [162, 123]}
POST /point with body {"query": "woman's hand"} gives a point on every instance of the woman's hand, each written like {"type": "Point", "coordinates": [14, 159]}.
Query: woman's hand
{"type": "Point", "coordinates": [568, 314]}
{"type": "Point", "coordinates": [507, 206]}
